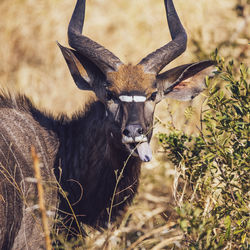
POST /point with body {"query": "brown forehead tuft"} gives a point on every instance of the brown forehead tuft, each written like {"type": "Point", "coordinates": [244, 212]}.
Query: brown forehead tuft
{"type": "Point", "coordinates": [131, 78]}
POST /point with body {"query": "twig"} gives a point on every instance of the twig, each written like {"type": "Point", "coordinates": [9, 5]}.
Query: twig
{"type": "Point", "coordinates": [147, 235]}
{"type": "Point", "coordinates": [118, 181]}
{"type": "Point", "coordinates": [116, 186]}
{"type": "Point", "coordinates": [71, 208]}
{"type": "Point", "coordinates": [41, 199]}
{"type": "Point", "coordinates": [167, 242]}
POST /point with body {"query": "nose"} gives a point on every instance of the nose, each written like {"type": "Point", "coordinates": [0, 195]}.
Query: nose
{"type": "Point", "coordinates": [133, 130]}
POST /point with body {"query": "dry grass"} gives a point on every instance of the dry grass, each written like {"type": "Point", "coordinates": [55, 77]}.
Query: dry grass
{"type": "Point", "coordinates": [32, 64]}
{"type": "Point", "coordinates": [41, 199]}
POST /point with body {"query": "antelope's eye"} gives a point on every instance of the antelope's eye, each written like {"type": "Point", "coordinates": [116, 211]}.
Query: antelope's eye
{"type": "Point", "coordinates": [153, 96]}
{"type": "Point", "coordinates": [109, 95]}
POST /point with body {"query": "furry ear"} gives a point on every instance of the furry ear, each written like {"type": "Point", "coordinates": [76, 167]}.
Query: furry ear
{"type": "Point", "coordinates": [84, 72]}
{"type": "Point", "coordinates": [186, 81]}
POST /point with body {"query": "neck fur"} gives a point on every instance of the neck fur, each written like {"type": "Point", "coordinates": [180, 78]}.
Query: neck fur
{"type": "Point", "coordinates": [91, 160]}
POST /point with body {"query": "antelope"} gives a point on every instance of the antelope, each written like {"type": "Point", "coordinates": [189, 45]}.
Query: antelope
{"type": "Point", "coordinates": [86, 153]}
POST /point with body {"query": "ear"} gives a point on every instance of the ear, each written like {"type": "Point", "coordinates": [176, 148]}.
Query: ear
{"type": "Point", "coordinates": [186, 81]}
{"type": "Point", "coordinates": [84, 72]}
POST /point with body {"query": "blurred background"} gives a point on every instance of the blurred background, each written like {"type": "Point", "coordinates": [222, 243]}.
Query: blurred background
{"type": "Point", "coordinates": [31, 63]}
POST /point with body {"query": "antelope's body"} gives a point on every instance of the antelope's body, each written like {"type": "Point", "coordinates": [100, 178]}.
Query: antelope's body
{"type": "Point", "coordinates": [64, 144]}
{"type": "Point", "coordinates": [87, 153]}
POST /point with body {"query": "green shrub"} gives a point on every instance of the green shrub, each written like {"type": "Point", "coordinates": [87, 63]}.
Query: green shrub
{"type": "Point", "coordinates": [214, 212]}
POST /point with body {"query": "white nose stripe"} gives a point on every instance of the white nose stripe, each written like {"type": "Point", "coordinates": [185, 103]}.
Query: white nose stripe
{"type": "Point", "coordinates": [135, 98]}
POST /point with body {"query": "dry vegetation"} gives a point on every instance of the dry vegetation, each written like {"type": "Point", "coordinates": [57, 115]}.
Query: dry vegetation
{"type": "Point", "coordinates": [31, 63]}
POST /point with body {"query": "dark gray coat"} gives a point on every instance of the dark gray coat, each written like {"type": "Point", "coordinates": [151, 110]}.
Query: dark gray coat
{"type": "Point", "coordinates": [80, 154]}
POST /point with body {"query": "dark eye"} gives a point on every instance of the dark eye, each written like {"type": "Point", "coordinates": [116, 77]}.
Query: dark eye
{"type": "Point", "coordinates": [153, 96]}
{"type": "Point", "coordinates": [110, 96]}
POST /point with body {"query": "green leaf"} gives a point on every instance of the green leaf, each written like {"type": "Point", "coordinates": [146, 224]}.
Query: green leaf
{"type": "Point", "coordinates": [184, 225]}
{"type": "Point", "coordinates": [227, 223]}
{"type": "Point", "coordinates": [243, 238]}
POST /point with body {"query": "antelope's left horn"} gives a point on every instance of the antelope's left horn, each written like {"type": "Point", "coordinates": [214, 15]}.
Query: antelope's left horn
{"type": "Point", "coordinates": [102, 57]}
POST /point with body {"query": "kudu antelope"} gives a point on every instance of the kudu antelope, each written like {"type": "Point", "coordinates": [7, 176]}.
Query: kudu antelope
{"type": "Point", "coordinates": [86, 153]}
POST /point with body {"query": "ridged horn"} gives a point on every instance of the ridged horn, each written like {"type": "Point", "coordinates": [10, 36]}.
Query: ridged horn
{"type": "Point", "coordinates": [95, 52]}
{"type": "Point", "coordinates": [158, 59]}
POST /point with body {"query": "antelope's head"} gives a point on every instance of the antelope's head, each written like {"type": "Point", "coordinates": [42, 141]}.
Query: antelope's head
{"type": "Point", "coordinates": [130, 92]}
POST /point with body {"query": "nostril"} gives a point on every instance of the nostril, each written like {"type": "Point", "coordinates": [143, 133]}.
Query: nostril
{"type": "Point", "coordinates": [126, 132]}
{"type": "Point", "coordinates": [140, 131]}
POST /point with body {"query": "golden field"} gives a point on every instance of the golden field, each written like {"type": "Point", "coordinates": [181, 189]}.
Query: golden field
{"type": "Point", "coordinates": [31, 60]}
{"type": "Point", "coordinates": [31, 63]}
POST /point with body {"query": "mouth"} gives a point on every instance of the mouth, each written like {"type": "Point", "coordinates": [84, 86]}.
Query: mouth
{"type": "Point", "coordinates": [138, 147]}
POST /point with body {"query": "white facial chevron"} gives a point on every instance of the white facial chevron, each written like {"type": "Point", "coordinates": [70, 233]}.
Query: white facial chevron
{"type": "Point", "coordinates": [135, 98]}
